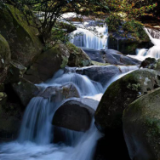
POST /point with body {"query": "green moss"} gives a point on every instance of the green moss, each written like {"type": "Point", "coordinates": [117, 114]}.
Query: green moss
{"type": "Point", "coordinates": [100, 64]}
{"type": "Point", "coordinates": [64, 62]}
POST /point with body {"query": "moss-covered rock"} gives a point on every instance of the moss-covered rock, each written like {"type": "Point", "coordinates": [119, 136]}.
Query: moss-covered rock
{"type": "Point", "coordinates": [121, 93]}
{"type": "Point", "coordinates": [20, 33]}
{"type": "Point", "coordinates": [25, 90]}
{"type": "Point", "coordinates": [49, 62]}
{"type": "Point", "coordinates": [128, 37]}
{"type": "Point", "coordinates": [69, 27]}
{"type": "Point", "coordinates": [141, 125]}
{"type": "Point", "coordinates": [5, 56]}
{"type": "Point", "coordinates": [77, 58]}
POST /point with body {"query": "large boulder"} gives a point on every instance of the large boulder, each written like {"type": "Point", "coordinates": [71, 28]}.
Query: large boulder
{"type": "Point", "coordinates": [121, 93]}
{"type": "Point", "coordinates": [73, 115]}
{"type": "Point", "coordinates": [20, 34]}
{"type": "Point", "coordinates": [49, 62]}
{"type": "Point", "coordinates": [141, 125]}
{"type": "Point", "coordinates": [59, 93]}
{"type": "Point", "coordinates": [25, 90]}
{"type": "Point", "coordinates": [5, 56]}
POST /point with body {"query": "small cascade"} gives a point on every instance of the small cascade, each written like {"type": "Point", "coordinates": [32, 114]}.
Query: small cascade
{"type": "Point", "coordinates": [93, 40]}
{"type": "Point", "coordinates": [37, 121]}
{"type": "Point", "coordinates": [84, 85]}
{"type": "Point", "coordinates": [155, 41]}
{"type": "Point", "coordinates": [153, 52]}
{"type": "Point", "coordinates": [154, 33]}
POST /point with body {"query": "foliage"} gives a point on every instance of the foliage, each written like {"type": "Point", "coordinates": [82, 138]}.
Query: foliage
{"type": "Point", "coordinates": [135, 28]}
{"type": "Point", "coordinates": [113, 21]}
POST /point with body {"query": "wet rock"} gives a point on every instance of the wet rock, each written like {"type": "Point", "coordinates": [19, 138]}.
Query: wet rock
{"type": "Point", "coordinates": [115, 57]}
{"type": "Point", "coordinates": [25, 90]}
{"type": "Point", "coordinates": [120, 94]}
{"type": "Point", "coordinates": [5, 56]}
{"type": "Point", "coordinates": [21, 36]}
{"type": "Point", "coordinates": [148, 63]}
{"type": "Point", "coordinates": [59, 93]}
{"type": "Point", "coordinates": [73, 115]}
{"type": "Point", "coordinates": [100, 74]}
{"type": "Point", "coordinates": [141, 125]}
{"type": "Point", "coordinates": [110, 56]}
{"type": "Point", "coordinates": [48, 63]}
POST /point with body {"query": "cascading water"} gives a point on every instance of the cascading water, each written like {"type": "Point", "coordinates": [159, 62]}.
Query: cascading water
{"type": "Point", "coordinates": [36, 135]}
{"type": "Point", "coordinates": [85, 38]}
{"type": "Point", "coordinates": [153, 52]}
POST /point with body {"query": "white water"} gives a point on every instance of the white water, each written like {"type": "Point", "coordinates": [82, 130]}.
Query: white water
{"type": "Point", "coordinates": [153, 52]}
{"type": "Point", "coordinates": [36, 135]}
{"type": "Point", "coordinates": [95, 39]}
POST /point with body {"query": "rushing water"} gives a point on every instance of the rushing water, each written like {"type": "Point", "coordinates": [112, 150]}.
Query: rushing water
{"type": "Point", "coordinates": [36, 137]}
{"type": "Point", "coordinates": [153, 52]}
{"type": "Point", "coordinates": [92, 37]}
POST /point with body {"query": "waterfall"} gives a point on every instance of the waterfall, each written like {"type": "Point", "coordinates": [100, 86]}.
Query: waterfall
{"type": "Point", "coordinates": [36, 134]}
{"type": "Point", "coordinates": [155, 41]}
{"type": "Point", "coordinates": [85, 38]}
{"type": "Point", "coordinates": [153, 52]}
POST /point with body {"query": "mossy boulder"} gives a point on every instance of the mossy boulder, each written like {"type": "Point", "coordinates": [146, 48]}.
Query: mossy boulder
{"type": "Point", "coordinates": [120, 94]}
{"type": "Point", "coordinates": [141, 125]}
{"type": "Point", "coordinates": [77, 58]}
{"type": "Point", "coordinates": [5, 57]}
{"type": "Point", "coordinates": [49, 62]}
{"type": "Point", "coordinates": [66, 26]}
{"type": "Point", "coordinates": [25, 90]}
{"type": "Point", "coordinates": [20, 33]}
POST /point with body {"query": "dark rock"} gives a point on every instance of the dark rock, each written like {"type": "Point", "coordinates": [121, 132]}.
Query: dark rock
{"type": "Point", "coordinates": [100, 74]}
{"type": "Point", "coordinates": [73, 115]}
{"type": "Point", "coordinates": [148, 63]}
{"type": "Point", "coordinates": [121, 93]}
{"type": "Point", "coordinates": [25, 90]}
{"type": "Point", "coordinates": [141, 124]}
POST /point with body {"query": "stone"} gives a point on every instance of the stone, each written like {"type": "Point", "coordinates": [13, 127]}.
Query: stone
{"type": "Point", "coordinates": [141, 126]}
{"type": "Point", "coordinates": [120, 94]}
{"type": "Point", "coordinates": [25, 90]}
{"type": "Point", "coordinates": [73, 115]}
{"type": "Point", "coordinates": [48, 63]}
